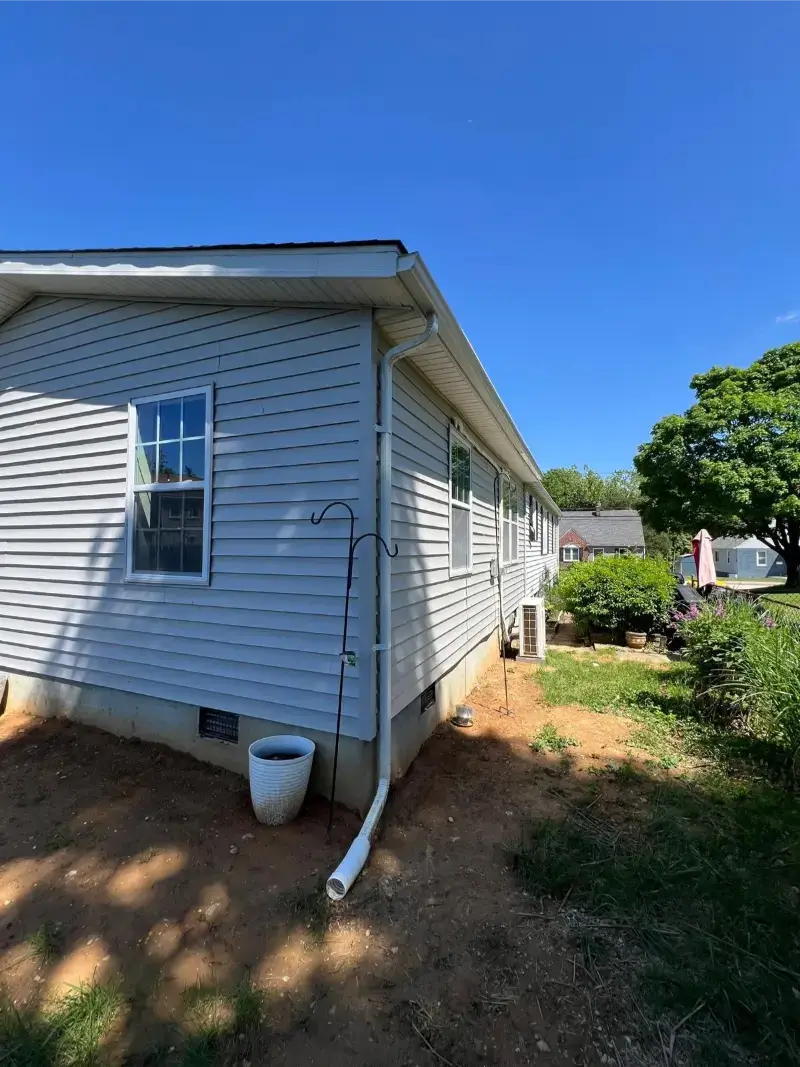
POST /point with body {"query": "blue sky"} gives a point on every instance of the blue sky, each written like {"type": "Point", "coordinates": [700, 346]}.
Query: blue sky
{"type": "Point", "coordinates": [608, 195]}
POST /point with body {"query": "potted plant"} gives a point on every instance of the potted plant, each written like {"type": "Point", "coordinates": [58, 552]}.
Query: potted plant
{"type": "Point", "coordinates": [636, 639]}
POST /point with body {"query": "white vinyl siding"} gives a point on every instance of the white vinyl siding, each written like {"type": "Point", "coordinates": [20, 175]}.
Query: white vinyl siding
{"type": "Point", "coordinates": [437, 618]}
{"type": "Point", "coordinates": [294, 429]}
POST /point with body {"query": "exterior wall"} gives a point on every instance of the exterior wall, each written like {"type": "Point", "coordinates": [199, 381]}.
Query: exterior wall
{"type": "Point", "coordinates": [294, 429]}
{"type": "Point", "coordinates": [572, 538]}
{"type": "Point", "coordinates": [439, 620]}
{"type": "Point", "coordinates": [726, 563]}
{"type": "Point", "coordinates": [748, 567]}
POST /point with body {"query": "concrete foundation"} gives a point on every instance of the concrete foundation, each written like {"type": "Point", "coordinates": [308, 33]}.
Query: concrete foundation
{"type": "Point", "coordinates": [171, 723]}
{"type": "Point", "coordinates": [175, 724]}
{"type": "Point", "coordinates": [411, 727]}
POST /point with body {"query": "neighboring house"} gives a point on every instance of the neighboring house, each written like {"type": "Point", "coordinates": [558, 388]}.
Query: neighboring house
{"type": "Point", "coordinates": [599, 532]}
{"type": "Point", "coordinates": [739, 557]}
{"type": "Point", "coordinates": [170, 419]}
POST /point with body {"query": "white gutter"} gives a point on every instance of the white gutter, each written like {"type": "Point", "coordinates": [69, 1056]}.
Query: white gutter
{"type": "Point", "coordinates": [351, 866]}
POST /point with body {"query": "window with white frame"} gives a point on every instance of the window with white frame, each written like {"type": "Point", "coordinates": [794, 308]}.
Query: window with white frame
{"type": "Point", "coordinates": [597, 553]}
{"type": "Point", "coordinates": [460, 505]}
{"type": "Point", "coordinates": [761, 557]}
{"type": "Point", "coordinates": [510, 521]}
{"type": "Point", "coordinates": [169, 482]}
{"type": "Point", "coordinates": [571, 554]}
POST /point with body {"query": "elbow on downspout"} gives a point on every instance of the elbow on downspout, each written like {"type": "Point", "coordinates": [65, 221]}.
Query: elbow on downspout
{"type": "Point", "coordinates": [353, 863]}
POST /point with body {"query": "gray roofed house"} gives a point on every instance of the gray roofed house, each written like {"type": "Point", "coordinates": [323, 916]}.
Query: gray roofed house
{"type": "Point", "coordinates": [588, 534]}
{"type": "Point", "coordinates": [744, 558]}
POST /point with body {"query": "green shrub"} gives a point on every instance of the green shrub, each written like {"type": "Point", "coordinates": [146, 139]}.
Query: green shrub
{"type": "Point", "coordinates": [616, 593]}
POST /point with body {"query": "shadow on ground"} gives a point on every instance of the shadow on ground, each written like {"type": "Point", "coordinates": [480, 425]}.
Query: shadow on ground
{"type": "Point", "coordinates": [151, 871]}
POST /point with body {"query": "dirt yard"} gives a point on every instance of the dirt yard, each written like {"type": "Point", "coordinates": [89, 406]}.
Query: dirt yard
{"type": "Point", "coordinates": [148, 867]}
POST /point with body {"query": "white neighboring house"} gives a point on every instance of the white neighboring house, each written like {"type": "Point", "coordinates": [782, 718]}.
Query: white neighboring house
{"type": "Point", "coordinates": [169, 420]}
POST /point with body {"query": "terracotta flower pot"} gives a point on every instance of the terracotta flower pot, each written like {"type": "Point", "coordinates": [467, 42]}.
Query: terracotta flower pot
{"type": "Point", "coordinates": [635, 640]}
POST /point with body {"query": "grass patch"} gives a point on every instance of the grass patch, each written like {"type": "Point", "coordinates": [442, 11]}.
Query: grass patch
{"type": "Point", "coordinates": [655, 699]}
{"type": "Point", "coordinates": [548, 739]}
{"type": "Point", "coordinates": [705, 879]}
{"type": "Point", "coordinates": [223, 1024]}
{"type": "Point", "coordinates": [311, 908]}
{"type": "Point", "coordinates": [58, 839]}
{"type": "Point", "coordinates": [69, 1033]}
{"type": "Point", "coordinates": [700, 879]}
{"type": "Point", "coordinates": [46, 943]}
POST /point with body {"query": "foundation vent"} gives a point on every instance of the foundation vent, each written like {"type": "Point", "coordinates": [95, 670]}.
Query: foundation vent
{"type": "Point", "coordinates": [428, 699]}
{"type": "Point", "coordinates": [219, 725]}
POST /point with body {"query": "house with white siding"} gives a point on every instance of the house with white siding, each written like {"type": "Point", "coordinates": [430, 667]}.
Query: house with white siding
{"type": "Point", "coordinates": [170, 418]}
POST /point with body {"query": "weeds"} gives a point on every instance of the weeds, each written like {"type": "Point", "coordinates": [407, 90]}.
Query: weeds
{"type": "Point", "coordinates": [223, 1024]}
{"type": "Point", "coordinates": [45, 944]}
{"type": "Point", "coordinates": [548, 739]}
{"type": "Point", "coordinates": [70, 1033]}
{"type": "Point", "coordinates": [58, 839]}
{"type": "Point", "coordinates": [312, 908]}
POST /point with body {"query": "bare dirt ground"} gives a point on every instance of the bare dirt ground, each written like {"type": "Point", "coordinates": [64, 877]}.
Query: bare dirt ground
{"type": "Point", "coordinates": [158, 874]}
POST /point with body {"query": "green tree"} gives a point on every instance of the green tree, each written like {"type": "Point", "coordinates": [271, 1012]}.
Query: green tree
{"type": "Point", "coordinates": [731, 463]}
{"type": "Point", "coordinates": [571, 487]}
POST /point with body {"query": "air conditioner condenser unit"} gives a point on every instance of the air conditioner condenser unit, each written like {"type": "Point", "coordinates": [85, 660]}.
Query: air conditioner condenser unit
{"type": "Point", "coordinates": [531, 630]}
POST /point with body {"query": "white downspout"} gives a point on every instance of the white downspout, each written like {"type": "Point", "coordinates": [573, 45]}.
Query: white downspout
{"type": "Point", "coordinates": [351, 866]}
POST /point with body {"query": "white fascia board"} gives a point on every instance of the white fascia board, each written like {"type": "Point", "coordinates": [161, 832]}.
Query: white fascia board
{"type": "Point", "coordinates": [197, 263]}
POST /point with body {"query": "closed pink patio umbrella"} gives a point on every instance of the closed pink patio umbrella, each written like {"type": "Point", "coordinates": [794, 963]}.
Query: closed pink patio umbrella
{"type": "Point", "coordinates": [704, 559]}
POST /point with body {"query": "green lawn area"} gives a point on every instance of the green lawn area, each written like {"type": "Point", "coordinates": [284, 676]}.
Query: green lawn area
{"type": "Point", "coordinates": [699, 868]}
{"type": "Point", "coordinates": [780, 596]}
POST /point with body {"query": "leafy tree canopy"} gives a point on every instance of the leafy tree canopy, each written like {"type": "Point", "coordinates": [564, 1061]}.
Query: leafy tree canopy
{"type": "Point", "coordinates": [731, 463]}
{"type": "Point", "coordinates": [571, 487]}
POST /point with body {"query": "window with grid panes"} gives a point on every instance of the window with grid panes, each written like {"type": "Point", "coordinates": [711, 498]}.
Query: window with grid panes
{"type": "Point", "coordinates": [168, 491]}
{"type": "Point", "coordinates": [510, 514]}
{"type": "Point", "coordinates": [460, 506]}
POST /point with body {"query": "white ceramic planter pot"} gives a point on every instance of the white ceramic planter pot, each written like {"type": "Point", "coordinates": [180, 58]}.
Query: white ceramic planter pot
{"type": "Point", "coordinates": [280, 767]}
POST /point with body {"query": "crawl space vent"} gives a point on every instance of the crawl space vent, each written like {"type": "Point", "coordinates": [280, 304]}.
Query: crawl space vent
{"type": "Point", "coordinates": [428, 699]}
{"type": "Point", "coordinates": [219, 725]}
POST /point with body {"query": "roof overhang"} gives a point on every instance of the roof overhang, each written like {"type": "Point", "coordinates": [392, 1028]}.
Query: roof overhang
{"type": "Point", "coordinates": [376, 274]}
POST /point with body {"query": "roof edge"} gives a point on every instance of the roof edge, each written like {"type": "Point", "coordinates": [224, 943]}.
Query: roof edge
{"type": "Point", "coordinates": [427, 296]}
{"type": "Point", "coordinates": [234, 247]}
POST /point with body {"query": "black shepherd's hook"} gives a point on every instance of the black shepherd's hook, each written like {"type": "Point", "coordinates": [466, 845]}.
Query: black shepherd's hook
{"type": "Point", "coordinates": [345, 654]}
{"type": "Point", "coordinates": [498, 504]}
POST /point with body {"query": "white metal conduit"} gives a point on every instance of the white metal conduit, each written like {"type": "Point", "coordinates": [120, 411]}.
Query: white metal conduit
{"type": "Point", "coordinates": [351, 866]}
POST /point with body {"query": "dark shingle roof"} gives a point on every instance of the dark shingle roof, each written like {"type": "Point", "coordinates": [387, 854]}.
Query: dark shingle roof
{"type": "Point", "coordinates": [607, 529]}
{"type": "Point", "coordinates": [727, 542]}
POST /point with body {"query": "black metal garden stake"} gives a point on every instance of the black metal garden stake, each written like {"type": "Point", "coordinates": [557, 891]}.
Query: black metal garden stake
{"type": "Point", "coordinates": [346, 656]}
